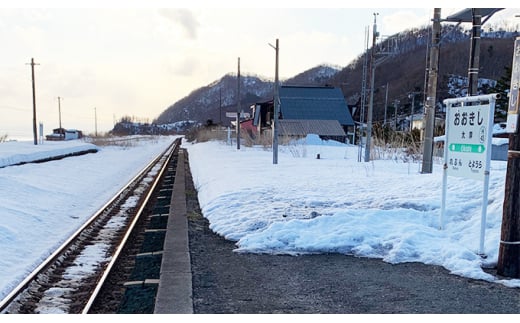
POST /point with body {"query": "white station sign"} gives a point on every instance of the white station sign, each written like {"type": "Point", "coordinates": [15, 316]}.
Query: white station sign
{"type": "Point", "coordinates": [468, 141]}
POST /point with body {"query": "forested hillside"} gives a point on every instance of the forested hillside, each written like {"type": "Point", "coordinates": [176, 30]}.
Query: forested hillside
{"type": "Point", "coordinates": [404, 71]}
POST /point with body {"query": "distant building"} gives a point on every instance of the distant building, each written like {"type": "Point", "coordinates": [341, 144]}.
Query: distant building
{"type": "Point", "coordinates": [64, 134]}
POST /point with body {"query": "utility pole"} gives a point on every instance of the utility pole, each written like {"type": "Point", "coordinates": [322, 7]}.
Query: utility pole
{"type": "Point", "coordinates": [59, 110]}
{"type": "Point", "coordinates": [474, 52]}
{"type": "Point", "coordinates": [396, 102]}
{"type": "Point", "coordinates": [238, 105]}
{"type": "Point", "coordinates": [386, 101]}
{"type": "Point", "coordinates": [34, 101]}
{"type": "Point", "coordinates": [509, 251]}
{"type": "Point", "coordinates": [411, 111]}
{"type": "Point", "coordinates": [276, 105]}
{"type": "Point", "coordinates": [220, 105]}
{"type": "Point", "coordinates": [363, 93]}
{"type": "Point", "coordinates": [372, 79]}
{"type": "Point", "coordinates": [429, 104]}
{"type": "Point", "coordinates": [95, 122]}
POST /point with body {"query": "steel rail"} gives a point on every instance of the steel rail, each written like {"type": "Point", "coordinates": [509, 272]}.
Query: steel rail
{"type": "Point", "coordinates": [6, 301]}
{"type": "Point", "coordinates": [128, 232]}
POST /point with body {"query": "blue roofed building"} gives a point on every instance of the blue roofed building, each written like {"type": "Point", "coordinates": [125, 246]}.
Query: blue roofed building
{"type": "Point", "coordinates": [318, 109]}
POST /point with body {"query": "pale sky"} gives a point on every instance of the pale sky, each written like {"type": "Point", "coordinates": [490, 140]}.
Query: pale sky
{"type": "Point", "coordinates": [112, 58]}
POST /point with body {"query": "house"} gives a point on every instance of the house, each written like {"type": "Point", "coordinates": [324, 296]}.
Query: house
{"type": "Point", "coordinates": [64, 134]}
{"type": "Point", "coordinates": [326, 129]}
{"type": "Point", "coordinates": [308, 109]}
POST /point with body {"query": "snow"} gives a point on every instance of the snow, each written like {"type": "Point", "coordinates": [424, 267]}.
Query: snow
{"type": "Point", "coordinates": [15, 152]}
{"type": "Point", "coordinates": [42, 204]}
{"type": "Point", "coordinates": [383, 209]}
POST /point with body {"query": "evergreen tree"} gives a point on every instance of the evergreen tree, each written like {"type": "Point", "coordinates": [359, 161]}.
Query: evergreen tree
{"type": "Point", "coordinates": [502, 87]}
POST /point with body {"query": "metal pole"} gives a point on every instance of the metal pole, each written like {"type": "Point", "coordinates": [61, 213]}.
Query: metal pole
{"type": "Point", "coordinates": [485, 197]}
{"type": "Point", "coordinates": [371, 102]}
{"type": "Point", "coordinates": [429, 104]}
{"type": "Point", "coordinates": [238, 105]}
{"type": "Point", "coordinates": [474, 53]}
{"type": "Point", "coordinates": [444, 177]}
{"type": "Point", "coordinates": [276, 102]}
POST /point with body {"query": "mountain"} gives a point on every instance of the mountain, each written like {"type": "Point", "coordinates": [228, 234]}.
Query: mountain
{"type": "Point", "coordinates": [319, 75]}
{"type": "Point", "coordinates": [402, 72]}
{"type": "Point", "coordinates": [212, 101]}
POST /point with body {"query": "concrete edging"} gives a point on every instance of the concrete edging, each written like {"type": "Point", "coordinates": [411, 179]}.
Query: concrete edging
{"type": "Point", "coordinates": [174, 295]}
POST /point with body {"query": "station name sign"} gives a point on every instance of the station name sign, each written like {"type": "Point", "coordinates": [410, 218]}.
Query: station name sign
{"type": "Point", "coordinates": [468, 141]}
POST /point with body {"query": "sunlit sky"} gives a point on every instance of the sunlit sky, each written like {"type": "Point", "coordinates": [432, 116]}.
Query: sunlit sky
{"type": "Point", "coordinates": [108, 59]}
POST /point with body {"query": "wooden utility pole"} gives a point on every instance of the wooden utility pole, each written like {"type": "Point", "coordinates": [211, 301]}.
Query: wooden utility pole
{"type": "Point", "coordinates": [509, 251]}
{"type": "Point", "coordinates": [34, 101]}
{"type": "Point", "coordinates": [238, 105]}
{"type": "Point", "coordinates": [429, 104]}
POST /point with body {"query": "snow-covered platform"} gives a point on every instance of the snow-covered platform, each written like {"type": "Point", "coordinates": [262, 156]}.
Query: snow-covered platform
{"type": "Point", "coordinates": [23, 152]}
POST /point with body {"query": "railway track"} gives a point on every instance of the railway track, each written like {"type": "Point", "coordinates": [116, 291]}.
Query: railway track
{"type": "Point", "coordinates": [90, 272]}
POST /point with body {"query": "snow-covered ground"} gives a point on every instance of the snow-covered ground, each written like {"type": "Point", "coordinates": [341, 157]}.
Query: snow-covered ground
{"type": "Point", "coordinates": [41, 204]}
{"type": "Point", "coordinates": [16, 152]}
{"type": "Point", "coordinates": [384, 209]}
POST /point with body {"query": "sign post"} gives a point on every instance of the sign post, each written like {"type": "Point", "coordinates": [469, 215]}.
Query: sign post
{"type": "Point", "coordinates": [467, 147]}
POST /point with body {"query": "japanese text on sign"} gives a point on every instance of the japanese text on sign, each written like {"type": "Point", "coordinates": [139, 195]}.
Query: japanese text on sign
{"type": "Point", "coordinates": [467, 141]}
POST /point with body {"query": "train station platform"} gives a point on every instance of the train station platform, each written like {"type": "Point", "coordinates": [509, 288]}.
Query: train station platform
{"type": "Point", "coordinates": [174, 294]}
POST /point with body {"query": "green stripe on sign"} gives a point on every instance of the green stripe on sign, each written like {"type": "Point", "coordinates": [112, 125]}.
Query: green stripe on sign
{"type": "Point", "coordinates": [467, 148]}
